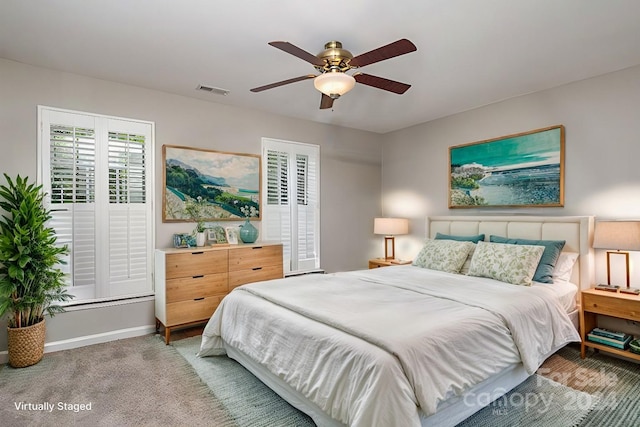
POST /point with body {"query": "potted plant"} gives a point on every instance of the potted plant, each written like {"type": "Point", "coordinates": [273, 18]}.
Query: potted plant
{"type": "Point", "coordinates": [195, 209]}
{"type": "Point", "coordinates": [30, 281]}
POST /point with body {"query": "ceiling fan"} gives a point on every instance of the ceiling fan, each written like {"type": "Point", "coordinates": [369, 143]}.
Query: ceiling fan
{"type": "Point", "coordinates": [333, 63]}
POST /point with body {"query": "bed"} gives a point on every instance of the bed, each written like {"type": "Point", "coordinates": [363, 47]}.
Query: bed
{"type": "Point", "coordinates": [410, 345]}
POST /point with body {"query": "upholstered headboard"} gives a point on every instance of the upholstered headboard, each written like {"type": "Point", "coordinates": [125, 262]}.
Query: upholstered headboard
{"type": "Point", "coordinates": [577, 231]}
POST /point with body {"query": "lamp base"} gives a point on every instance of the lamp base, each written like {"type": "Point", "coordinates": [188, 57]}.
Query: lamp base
{"type": "Point", "coordinates": [631, 291]}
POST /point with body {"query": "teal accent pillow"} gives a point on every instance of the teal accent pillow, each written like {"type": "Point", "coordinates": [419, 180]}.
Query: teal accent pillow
{"type": "Point", "coordinates": [552, 249]}
{"type": "Point", "coordinates": [474, 239]}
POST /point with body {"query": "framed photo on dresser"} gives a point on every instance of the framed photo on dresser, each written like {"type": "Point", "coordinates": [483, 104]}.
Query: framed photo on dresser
{"type": "Point", "coordinates": [232, 235]}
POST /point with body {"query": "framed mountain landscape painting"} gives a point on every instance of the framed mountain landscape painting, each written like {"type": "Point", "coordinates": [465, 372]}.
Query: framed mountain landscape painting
{"type": "Point", "coordinates": [520, 170]}
{"type": "Point", "coordinates": [206, 185]}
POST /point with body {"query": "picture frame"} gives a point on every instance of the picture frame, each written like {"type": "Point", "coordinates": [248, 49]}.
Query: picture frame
{"type": "Point", "coordinates": [520, 170]}
{"type": "Point", "coordinates": [233, 234]}
{"type": "Point", "coordinates": [220, 183]}
{"type": "Point", "coordinates": [217, 235]}
{"type": "Point", "coordinates": [183, 240]}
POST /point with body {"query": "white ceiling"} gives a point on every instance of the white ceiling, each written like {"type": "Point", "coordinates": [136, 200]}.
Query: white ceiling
{"type": "Point", "coordinates": [470, 52]}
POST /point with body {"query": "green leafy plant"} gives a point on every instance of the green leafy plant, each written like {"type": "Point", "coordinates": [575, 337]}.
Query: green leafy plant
{"type": "Point", "coordinates": [195, 209]}
{"type": "Point", "coordinates": [30, 282]}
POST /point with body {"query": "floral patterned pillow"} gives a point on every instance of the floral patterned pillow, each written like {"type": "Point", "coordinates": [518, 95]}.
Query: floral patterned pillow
{"type": "Point", "coordinates": [443, 255]}
{"type": "Point", "coordinates": [515, 264]}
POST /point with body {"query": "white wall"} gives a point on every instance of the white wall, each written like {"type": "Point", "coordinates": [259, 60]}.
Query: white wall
{"type": "Point", "coordinates": [350, 164]}
{"type": "Point", "coordinates": [602, 162]}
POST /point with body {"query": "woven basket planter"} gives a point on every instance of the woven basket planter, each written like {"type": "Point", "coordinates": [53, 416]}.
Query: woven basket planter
{"type": "Point", "coordinates": [26, 345]}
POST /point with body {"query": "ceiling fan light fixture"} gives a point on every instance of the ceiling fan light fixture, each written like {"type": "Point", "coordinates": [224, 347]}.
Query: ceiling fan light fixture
{"type": "Point", "coordinates": [334, 84]}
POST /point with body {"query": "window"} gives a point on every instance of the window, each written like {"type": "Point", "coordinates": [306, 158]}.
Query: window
{"type": "Point", "coordinates": [97, 173]}
{"type": "Point", "coordinates": [291, 208]}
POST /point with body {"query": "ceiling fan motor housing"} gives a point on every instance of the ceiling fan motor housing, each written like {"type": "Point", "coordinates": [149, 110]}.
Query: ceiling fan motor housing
{"type": "Point", "coordinates": [336, 58]}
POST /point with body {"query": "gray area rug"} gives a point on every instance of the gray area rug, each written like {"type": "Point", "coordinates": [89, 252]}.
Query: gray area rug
{"type": "Point", "coordinates": [247, 400]}
{"type": "Point", "coordinates": [536, 402]}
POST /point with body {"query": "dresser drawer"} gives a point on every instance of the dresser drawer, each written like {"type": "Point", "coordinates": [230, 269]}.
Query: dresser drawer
{"type": "Point", "coordinates": [196, 263]}
{"type": "Point", "coordinates": [237, 278]}
{"type": "Point", "coordinates": [182, 312]}
{"type": "Point", "coordinates": [255, 257]}
{"type": "Point", "coordinates": [618, 307]}
{"type": "Point", "coordinates": [189, 288]}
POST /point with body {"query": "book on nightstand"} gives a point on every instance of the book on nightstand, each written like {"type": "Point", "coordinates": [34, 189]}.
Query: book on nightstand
{"type": "Point", "coordinates": [612, 342]}
{"type": "Point", "coordinates": [610, 334]}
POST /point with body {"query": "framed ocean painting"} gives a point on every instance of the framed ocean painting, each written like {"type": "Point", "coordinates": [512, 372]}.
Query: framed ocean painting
{"type": "Point", "coordinates": [206, 185]}
{"type": "Point", "coordinates": [520, 170]}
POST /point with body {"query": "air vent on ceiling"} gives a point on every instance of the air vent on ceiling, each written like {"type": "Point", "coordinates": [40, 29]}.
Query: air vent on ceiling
{"type": "Point", "coordinates": [214, 90]}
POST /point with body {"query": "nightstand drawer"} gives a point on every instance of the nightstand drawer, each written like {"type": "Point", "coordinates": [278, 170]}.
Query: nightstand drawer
{"type": "Point", "coordinates": [189, 288]}
{"type": "Point", "coordinates": [610, 305]}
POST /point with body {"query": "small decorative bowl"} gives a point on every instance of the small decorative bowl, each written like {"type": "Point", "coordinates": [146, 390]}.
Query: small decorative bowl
{"type": "Point", "coordinates": [634, 346]}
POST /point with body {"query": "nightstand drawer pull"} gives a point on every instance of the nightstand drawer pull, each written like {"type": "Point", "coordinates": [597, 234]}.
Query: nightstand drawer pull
{"type": "Point", "coordinates": [257, 268]}
{"type": "Point", "coordinates": [256, 247]}
{"type": "Point", "coordinates": [198, 277]}
{"type": "Point", "coordinates": [198, 299]}
{"type": "Point", "coordinates": [197, 253]}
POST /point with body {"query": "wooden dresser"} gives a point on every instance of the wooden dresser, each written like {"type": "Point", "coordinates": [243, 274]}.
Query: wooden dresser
{"type": "Point", "coordinates": [190, 283]}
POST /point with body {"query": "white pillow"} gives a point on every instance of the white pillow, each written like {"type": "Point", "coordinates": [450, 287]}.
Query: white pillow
{"type": "Point", "coordinates": [515, 264]}
{"type": "Point", "coordinates": [564, 266]}
{"type": "Point", "coordinates": [443, 255]}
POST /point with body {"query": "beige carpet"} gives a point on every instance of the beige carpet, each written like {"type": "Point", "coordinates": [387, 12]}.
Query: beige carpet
{"type": "Point", "coordinates": [133, 382]}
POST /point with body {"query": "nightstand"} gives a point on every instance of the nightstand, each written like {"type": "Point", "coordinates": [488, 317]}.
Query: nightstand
{"type": "Point", "coordinates": [381, 262]}
{"type": "Point", "coordinates": [613, 304]}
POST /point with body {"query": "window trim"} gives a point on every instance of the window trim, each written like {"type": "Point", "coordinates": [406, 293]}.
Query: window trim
{"type": "Point", "coordinates": [273, 144]}
{"type": "Point", "coordinates": [151, 194]}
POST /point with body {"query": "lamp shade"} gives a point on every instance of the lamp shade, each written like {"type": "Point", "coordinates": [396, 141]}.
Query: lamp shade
{"type": "Point", "coordinates": [334, 84]}
{"type": "Point", "coordinates": [390, 226]}
{"type": "Point", "coordinates": [620, 235]}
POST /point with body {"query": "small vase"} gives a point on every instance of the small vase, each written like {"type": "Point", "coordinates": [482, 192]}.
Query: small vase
{"type": "Point", "coordinates": [248, 233]}
{"type": "Point", "coordinates": [200, 239]}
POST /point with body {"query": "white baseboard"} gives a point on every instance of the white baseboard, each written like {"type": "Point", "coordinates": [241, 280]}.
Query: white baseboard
{"type": "Point", "coordinates": [90, 340]}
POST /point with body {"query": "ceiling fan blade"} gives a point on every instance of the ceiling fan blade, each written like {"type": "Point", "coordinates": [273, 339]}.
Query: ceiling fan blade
{"type": "Point", "coordinates": [391, 50]}
{"type": "Point", "coordinates": [382, 83]}
{"type": "Point", "coordinates": [326, 102]}
{"type": "Point", "coordinates": [300, 53]}
{"type": "Point", "coordinates": [282, 83]}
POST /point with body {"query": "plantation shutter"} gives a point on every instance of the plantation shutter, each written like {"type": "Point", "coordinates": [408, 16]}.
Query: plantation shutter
{"type": "Point", "coordinates": [71, 188]}
{"type": "Point", "coordinates": [291, 210]}
{"type": "Point", "coordinates": [307, 208]}
{"type": "Point", "coordinates": [129, 222]}
{"type": "Point", "coordinates": [96, 172]}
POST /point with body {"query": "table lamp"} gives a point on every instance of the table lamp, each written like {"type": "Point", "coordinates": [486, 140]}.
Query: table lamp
{"type": "Point", "coordinates": [619, 237]}
{"type": "Point", "coordinates": [390, 227]}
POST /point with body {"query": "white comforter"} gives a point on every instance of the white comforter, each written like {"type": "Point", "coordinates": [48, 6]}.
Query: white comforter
{"type": "Point", "coordinates": [412, 337]}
